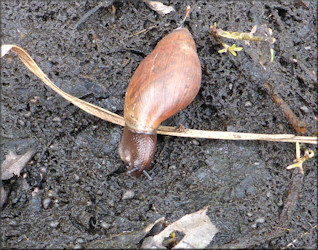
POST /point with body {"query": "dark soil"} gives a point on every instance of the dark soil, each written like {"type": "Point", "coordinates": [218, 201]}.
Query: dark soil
{"type": "Point", "coordinates": [244, 183]}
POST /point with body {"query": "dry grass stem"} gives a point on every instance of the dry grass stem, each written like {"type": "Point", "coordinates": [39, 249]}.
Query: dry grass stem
{"type": "Point", "coordinates": [163, 130]}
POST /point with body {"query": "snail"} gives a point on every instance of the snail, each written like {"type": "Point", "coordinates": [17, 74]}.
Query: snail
{"type": "Point", "coordinates": [164, 83]}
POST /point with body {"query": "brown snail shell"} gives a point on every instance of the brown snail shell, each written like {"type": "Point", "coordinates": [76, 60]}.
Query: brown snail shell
{"type": "Point", "coordinates": [164, 83]}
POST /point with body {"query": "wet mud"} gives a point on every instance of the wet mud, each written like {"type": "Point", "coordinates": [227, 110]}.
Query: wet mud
{"type": "Point", "coordinates": [72, 194]}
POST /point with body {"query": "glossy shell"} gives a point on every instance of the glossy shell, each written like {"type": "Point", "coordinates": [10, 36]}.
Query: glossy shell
{"type": "Point", "coordinates": [164, 83]}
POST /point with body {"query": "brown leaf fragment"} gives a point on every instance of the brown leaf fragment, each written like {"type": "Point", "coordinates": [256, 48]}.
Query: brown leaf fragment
{"type": "Point", "coordinates": [13, 164]}
{"type": "Point", "coordinates": [197, 228]}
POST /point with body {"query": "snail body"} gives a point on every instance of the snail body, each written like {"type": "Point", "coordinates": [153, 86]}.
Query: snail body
{"type": "Point", "coordinates": [164, 83]}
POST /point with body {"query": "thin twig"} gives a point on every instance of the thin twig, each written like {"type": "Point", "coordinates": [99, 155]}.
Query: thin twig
{"type": "Point", "coordinates": [222, 135]}
{"type": "Point", "coordinates": [289, 206]}
{"type": "Point", "coordinates": [289, 114]}
{"type": "Point", "coordinates": [144, 30]}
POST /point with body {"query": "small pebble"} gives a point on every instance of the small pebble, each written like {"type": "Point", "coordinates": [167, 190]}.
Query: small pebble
{"type": "Point", "coordinates": [260, 220]}
{"type": "Point", "coordinates": [57, 119]}
{"type": "Point", "coordinates": [254, 225]}
{"type": "Point", "coordinates": [27, 114]}
{"type": "Point", "coordinates": [35, 99]}
{"type": "Point", "coordinates": [248, 104]}
{"type": "Point", "coordinates": [280, 202]}
{"type": "Point", "coordinates": [43, 170]}
{"type": "Point", "coordinates": [111, 203]}
{"type": "Point", "coordinates": [46, 203]}
{"type": "Point", "coordinates": [129, 194]}
{"type": "Point", "coordinates": [195, 142]}
{"type": "Point", "coordinates": [51, 193]}
{"type": "Point", "coordinates": [305, 109]}
{"type": "Point", "coordinates": [173, 167]}
{"type": "Point", "coordinates": [22, 123]}
{"type": "Point", "coordinates": [54, 224]}
{"type": "Point", "coordinates": [80, 240]}
{"type": "Point", "coordinates": [105, 225]}
{"type": "Point", "coordinates": [53, 147]}
{"type": "Point", "coordinates": [249, 214]}
{"type": "Point", "coordinates": [76, 178]}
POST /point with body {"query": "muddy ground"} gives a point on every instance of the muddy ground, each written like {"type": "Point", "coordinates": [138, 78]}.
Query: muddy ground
{"type": "Point", "coordinates": [76, 165]}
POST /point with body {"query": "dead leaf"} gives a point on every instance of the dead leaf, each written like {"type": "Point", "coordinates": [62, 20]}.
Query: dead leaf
{"type": "Point", "coordinates": [13, 164]}
{"type": "Point", "coordinates": [197, 227]}
{"type": "Point", "coordinates": [159, 7]}
{"type": "Point", "coordinates": [5, 48]}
